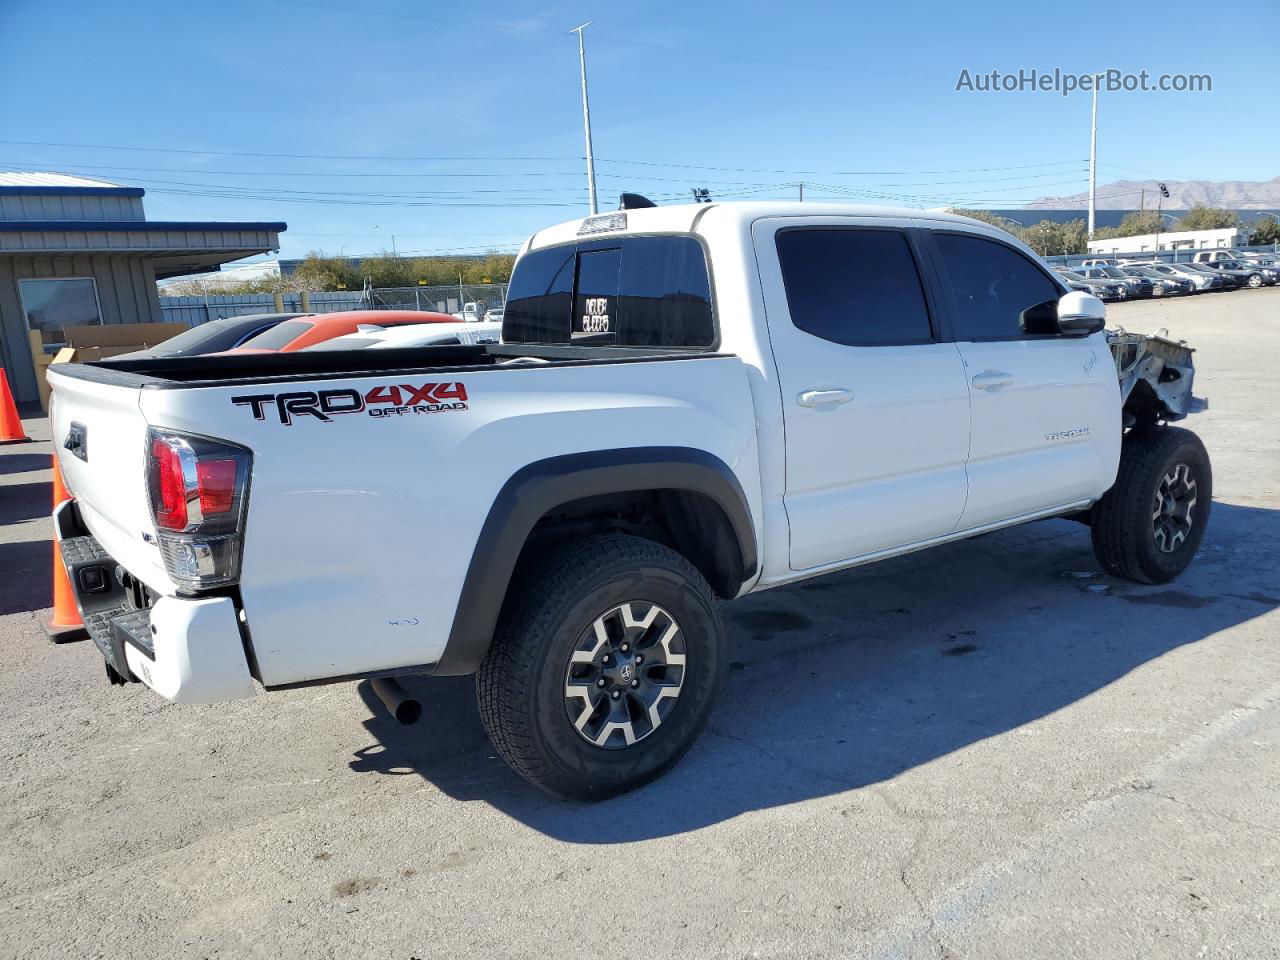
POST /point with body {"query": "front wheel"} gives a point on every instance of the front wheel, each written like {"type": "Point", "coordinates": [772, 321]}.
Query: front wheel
{"type": "Point", "coordinates": [604, 666]}
{"type": "Point", "coordinates": [1148, 526]}
{"type": "Point", "coordinates": [1255, 281]}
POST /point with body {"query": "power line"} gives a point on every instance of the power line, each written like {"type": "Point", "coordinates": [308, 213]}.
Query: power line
{"type": "Point", "coordinates": [280, 156]}
{"type": "Point", "coordinates": [413, 159]}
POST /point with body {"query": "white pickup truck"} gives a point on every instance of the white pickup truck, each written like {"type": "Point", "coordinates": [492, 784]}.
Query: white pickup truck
{"type": "Point", "coordinates": [690, 403]}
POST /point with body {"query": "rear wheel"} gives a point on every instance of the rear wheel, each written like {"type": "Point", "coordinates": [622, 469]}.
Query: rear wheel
{"type": "Point", "coordinates": [1148, 526]}
{"type": "Point", "coordinates": [603, 667]}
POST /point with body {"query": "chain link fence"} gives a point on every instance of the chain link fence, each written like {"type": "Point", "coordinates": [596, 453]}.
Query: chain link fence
{"type": "Point", "coordinates": [447, 298]}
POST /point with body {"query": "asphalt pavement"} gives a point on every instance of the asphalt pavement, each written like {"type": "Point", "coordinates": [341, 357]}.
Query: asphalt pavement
{"type": "Point", "coordinates": [986, 750]}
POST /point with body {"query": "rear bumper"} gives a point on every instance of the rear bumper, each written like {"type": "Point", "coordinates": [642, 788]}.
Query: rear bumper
{"type": "Point", "coordinates": [186, 650]}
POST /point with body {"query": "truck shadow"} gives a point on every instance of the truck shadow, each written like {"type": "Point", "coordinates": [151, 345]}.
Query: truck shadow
{"type": "Point", "coordinates": [851, 679]}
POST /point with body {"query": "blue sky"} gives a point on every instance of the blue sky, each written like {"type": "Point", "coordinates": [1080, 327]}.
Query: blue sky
{"type": "Point", "coordinates": [473, 113]}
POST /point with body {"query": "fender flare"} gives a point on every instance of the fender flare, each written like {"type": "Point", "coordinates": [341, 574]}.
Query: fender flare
{"type": "Point", "coordinates": [546, 484]}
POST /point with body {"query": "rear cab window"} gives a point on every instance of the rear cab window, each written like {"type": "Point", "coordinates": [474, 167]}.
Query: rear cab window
{"type": "Point", "coordinates": [638, 291]}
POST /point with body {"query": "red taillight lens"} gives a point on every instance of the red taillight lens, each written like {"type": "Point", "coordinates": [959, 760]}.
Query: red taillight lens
{"type": "Point", "coordinates": [171, 494]}
{"type": "Point", "coordinates": [199, 490]}
{"type": "Point", "coordinates": [217, 482]}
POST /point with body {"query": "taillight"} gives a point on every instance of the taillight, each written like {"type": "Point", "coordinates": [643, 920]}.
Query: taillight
{"type": "Point", "coordinates": [216, 480]}
{"type": "Point", "coordinates": [199, 492]}
{"type": "Point", "coordinates": [170, 501]}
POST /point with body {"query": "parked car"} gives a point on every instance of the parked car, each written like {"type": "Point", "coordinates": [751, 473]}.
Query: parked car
{"type": "Point", "coordinates": [215, 336]}
{"type": "Point", "coordinates": [1230, 281]}
{"type": "Point", "coordinates": [371, 335]}
{"type": "Point", "coordinates": [1202, 281]}
{"type": "Point", "coordinates": [1137, 286]}
{"type": "Point", "coordinates": [560, 514]}
{"type": "Point", "coordinates": [1213, 256]}
{"type": "Point", "coordinates": [1248, 276]}
{"type": "Point", "coordinates": [1105, 290]}
{"type": "Point", "coordinates": [476, 310]}
{"type": "Point", "coordinates": [1100, 262]}
{"type": "Point", "coordinates": [1162, 285]}
{"type": "Point", "coordinates": [301, 333]}
{"type": "Point", "coordinates": [1259, 257]}
{"type": "Point", "coordinates": [1270, 274]}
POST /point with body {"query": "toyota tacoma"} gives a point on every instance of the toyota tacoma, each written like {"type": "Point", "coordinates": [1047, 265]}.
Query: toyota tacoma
{"type": "Point", "coordinates": [689, 404]}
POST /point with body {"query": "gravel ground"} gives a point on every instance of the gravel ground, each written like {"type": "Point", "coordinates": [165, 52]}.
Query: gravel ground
{"type": "Point", "coordinates": [987, 750]}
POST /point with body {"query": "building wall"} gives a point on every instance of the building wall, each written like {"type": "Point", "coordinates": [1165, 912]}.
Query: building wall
{"type": "Point", "coordinates": [48, 206]}
{"type": "Point", "coordinates": [126, 294]}
{"type": "Point", "coordinates": [1174, 240]}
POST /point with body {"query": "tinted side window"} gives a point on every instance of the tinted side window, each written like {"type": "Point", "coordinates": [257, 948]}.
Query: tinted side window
{"type": "Point", "coordinates": [539, 297]}
{"type": "Point", "coordinates": [993, 285]}
{"type": "Point", "coordinates": [595, 301]}
{"type": "Point", "coordinates": [279, 335]}
{"type": "Point", "coordinates": [666, 294]}
{"type": "Point", "coordinates": [856, 287]}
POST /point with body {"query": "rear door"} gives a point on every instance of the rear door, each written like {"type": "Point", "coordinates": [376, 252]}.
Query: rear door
{"type": "Point", "coordinates": [875, 405]}
{"type": "Point", "coordinates": [1046, 408]}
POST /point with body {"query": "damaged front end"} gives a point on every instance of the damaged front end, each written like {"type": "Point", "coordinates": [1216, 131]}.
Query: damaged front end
{"type": "Point", "coordinates": [1156, 376]}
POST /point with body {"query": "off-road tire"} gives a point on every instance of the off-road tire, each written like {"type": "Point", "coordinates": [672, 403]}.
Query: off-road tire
{"type": "Point", "coordinates": [1124, 536]}
{"type": "Point", "coordinates": [555, 598]}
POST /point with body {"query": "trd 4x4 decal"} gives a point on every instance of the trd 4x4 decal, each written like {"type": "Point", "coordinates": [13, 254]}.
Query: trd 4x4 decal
{"type": "Point", "coordinates": [385, 401]}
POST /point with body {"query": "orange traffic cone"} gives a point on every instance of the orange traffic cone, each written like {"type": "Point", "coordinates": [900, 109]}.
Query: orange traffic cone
{"type": "Point", "coordinates": [65, 625]}
{"type": "Point", "coordinates": [10, 423]}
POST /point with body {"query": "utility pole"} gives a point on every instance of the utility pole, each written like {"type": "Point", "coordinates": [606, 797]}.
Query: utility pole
{"type": "Point", "coordinates": [1164, 192]}
{"type": "Point", "coordinates": [801, 186]}
{"type": "Point", "coordinates": [586, 117]}
{"type": "Point", "coordinates": [1093, 159]}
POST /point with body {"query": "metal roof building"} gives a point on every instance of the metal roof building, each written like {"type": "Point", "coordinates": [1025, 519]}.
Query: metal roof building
{"type": "Point", "coordinates": [76, 250]}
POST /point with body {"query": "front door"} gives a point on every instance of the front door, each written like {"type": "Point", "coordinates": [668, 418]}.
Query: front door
{"type": "Point", "coordinates": [875, 402]}
{"type": "Point", "coordinates": [1046, 408]}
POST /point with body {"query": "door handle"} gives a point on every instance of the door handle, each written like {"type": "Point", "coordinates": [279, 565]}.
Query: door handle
{"type": "Point", "coordinates": [991, 380]}
{"type": "Point", "coordinates": [818, 398]}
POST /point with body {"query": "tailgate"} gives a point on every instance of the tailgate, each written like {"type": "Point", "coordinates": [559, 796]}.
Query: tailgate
{"type": "Point", "coordinates": [106, 469]}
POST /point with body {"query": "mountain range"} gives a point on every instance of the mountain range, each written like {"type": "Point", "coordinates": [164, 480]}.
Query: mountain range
{"type": "Point", "coordinates": [1183, 194]}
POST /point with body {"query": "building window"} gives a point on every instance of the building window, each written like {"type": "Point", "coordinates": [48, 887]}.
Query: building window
{"type": "Point", "coordinates": [52, 304]}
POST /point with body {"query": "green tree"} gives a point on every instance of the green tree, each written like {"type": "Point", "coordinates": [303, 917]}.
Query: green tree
{"type": "Point", "coordinates": [387, 270]}
{"type": "Point", "coordinates": [1265, 231]}
{"type": "Point", "coordinates": [1138, 223]}
{"type": "Point", "coordinates": [1202, 217]}
{"type": "Point", "coordinates": [987, 217]}
{"type": "Point", "coordinates": [1050, 239]}
{"type": "Point", "coordinates": [319, 271]}
{"type": "Point", "coordinates": [1075, 237]}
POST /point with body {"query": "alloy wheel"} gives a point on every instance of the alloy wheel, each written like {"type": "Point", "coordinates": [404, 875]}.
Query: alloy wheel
{"type": "Point", "coordinates": [625, 675]}
{"type": "Point", "coordinates": [1173, 510]}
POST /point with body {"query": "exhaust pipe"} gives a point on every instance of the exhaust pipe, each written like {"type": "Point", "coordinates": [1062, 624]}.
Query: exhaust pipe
{"type": "Point", "coordinates": [397, 701]}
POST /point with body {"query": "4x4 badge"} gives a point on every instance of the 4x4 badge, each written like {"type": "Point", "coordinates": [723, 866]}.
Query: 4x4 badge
{"type": "Point", "coordinates": [382, 401]}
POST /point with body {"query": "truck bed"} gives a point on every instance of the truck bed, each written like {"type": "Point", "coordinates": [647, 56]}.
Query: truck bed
{"type": "Point", "coordinates": [159, 373]}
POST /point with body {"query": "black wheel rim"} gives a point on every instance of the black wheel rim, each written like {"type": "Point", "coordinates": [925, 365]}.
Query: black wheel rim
{"type": "Point", "coordinates": [1173, 511]}
{"type": "Point", "coordinates": [625, 675]}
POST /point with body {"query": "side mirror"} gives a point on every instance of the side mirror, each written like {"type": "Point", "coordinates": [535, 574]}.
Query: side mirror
{"type": "Point", "coordinates": [1080, 314]}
